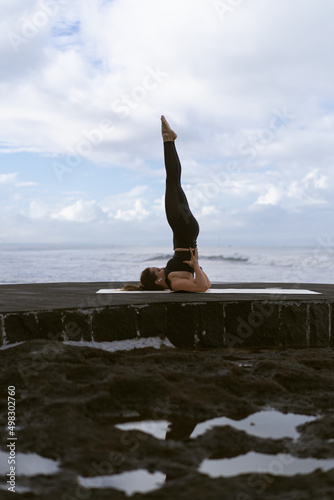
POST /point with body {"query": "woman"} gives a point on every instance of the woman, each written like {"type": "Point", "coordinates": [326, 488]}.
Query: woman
{"type": "Point", "coordinates": [182, 272]}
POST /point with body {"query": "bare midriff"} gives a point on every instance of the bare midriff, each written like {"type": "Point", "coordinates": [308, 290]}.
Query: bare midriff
{"type": "Point", "coordinates": [183, 249]}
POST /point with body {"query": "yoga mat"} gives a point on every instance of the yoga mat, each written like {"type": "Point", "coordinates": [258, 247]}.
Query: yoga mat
{"type": "Point", "coordinates": [275, 291]}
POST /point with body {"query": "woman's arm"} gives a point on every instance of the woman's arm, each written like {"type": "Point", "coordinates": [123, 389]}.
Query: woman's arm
{"type": "Point", "coordinates": [187, 285]}
{"type": "Point", "coordinates": [201, 278]}
{"type": "Point", "coordinates": [208, 282]}
{"type": "Point", "coordinates": [201, 282]}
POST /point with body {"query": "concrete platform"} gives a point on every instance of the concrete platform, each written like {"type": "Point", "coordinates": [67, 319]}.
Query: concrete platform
{"type": "Point", "coordinates": [74, 311]}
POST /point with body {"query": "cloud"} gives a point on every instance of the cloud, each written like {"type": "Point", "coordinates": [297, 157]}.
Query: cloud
{"type": "Point", "coordinates": [38, 210]}
{"type": "Point", "coordinates": [311, 189]}
{"type": "Point", "coordinates": [272, 196]}
{"type": "Point", "coordinates": [80, 211]}
{"type": "Point", "coordinates": [127, 207]}
{"type": "Point", "coordinates": [8, 178]}
{"type": "Point", "coordinates": [124, 203]}
{"type": "Point", "coordinates": [248, 90]}
{"type": "Point", "coordinates": [138, 212]}
{"type": "Point", "coordinates": [216, 76]}
{"type": "Point", "coordinates": [11, 179]}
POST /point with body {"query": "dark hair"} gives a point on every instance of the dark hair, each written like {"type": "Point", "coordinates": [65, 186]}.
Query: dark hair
{"type": "Point", "coordinates": [147, 282]}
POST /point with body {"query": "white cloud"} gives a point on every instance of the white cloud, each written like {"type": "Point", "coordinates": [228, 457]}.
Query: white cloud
{"type": "Point", "coordinates": [125, 201]}
{"type": "Point", "coordinates": [138, 212]}
{"type": "Point", "coordinates": [8, 178]}
{"type": "Point", "coordinates": [26, 184]}
{"type": "Point", "coordinates": [80, 211]}
{"type": "Point", "coordinates": [224, 75]}
{"type": "Point", "coordinates": [38, 210]}
{"type": "Point", "coordinates": [11, 179]}
{"type": "Point", "coordinates": [209, 210]}
{"type": "Point", "coordinates": [128, 207]}
{"type": "Point", "coordinates": [272, 196]}
{"type": "Point", "coordinates": [318, 180]}
{"type": "Point", "coordinates": [221, 81]}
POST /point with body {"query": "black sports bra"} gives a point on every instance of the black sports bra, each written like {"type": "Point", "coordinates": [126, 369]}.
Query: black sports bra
{"type": "Point", "coordinates": [177, 264]}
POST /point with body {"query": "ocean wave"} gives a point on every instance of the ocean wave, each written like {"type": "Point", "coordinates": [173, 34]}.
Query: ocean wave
{"type": "Point", "coordinates": [159, 256]}
{"type": "Point", "coordinates": [221, 264]}
{"type": "Point", "coordinates": [219, 258]}
{"type": "Point", "coordinates": [293, 260]}
{"type": "Point", "coordinates": [224, 258]}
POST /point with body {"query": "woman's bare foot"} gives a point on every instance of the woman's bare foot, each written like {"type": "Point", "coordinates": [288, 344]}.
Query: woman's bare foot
{"type": "Point", "coordinates": [167, 133]}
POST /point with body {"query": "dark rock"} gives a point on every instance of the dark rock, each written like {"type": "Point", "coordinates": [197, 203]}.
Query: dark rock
{"type": "Point", "coordinates": [114, 323]}
{"type": "Point", "coordinates": [331, 340]}
{"type": "Point", "coordinates": [22, 326]}
{"type": "Point", "coordinates": [68, 400]}
{"type": "Point", "coordinates": [50, 324]}
{"type": "Point", "coordinates": [319, 325]}
{"type": "Point", "coordinates": [183, 325]}
{"type": "Point", "coordinates": [238, 330]}
{"type": "Point", "coordinates": [77, 325]}
{"type": "Point", "coordinates": [294, 325]}
{"type": "Point", "coordinates": [152, 320]}
{"type": "Point", "coordinates": [212, 324]}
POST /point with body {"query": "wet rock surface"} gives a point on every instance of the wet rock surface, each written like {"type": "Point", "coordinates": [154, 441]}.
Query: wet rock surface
{"type": "Point", "coordinates": [69, 400]}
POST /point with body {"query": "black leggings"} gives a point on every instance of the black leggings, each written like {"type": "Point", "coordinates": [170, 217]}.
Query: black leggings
{"type": "Point", "coordinates": [184, 225]}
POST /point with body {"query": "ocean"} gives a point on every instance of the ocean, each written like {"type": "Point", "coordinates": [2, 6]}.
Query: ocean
{"type": "Point", "coordinates": [232, 264]}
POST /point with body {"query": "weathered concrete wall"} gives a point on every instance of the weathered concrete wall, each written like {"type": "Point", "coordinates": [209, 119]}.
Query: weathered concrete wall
{"type": "Point", "coordinates": [188, 320]}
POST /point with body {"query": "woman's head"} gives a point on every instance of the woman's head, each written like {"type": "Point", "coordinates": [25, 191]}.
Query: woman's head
{"type": "Point", "coordinates": [152, 279]}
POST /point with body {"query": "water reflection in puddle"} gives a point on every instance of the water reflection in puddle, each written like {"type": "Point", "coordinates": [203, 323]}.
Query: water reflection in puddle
{"type": "Point", "coordinates": [156, 428]}
{"type": "Point", "coordinates": [138, 481]}
{"type": "Point", "coordinates": [9, 346]}
{"type": "Point", "coordinates": [265, 424]}
{"type": "Point", "coordinates": [28, 464]}
{"type": "Point", "coordinates": [281, 464]}
{"type": "Point", "coordinates": [18, 489]}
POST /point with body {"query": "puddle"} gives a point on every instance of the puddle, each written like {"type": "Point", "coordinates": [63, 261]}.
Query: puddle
{"type": "Point", "coordinates": [265, 424]}
{"type": "Point", "coordinates": [28, 464]}
{"type": "Point", "coordinates": [18, 489]}
{"type": "Point", "coordinates": [9, 346]}
{"type": "Point", "coordinates": [130, 414]}
{"type": "Point", "coordinates": [138, 481]}
{"type": "Point", "coordinates": [123, 345]}
{"type": "Point", "coordinates": [156, 428]}
{"type": "Point", "coordinates": [277, 465]}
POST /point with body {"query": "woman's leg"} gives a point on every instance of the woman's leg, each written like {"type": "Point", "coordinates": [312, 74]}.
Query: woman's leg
{"type": "Point", "coordinates": [184, 225]}
{"type": "Point", "coordinates": [176, 203]}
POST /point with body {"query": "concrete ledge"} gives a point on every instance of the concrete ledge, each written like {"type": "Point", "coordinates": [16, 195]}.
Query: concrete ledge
{"type": "Point", "coordinates": [74, 311]}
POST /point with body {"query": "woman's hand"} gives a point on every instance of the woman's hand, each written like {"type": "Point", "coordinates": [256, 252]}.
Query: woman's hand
{"type": "Point", "coordinates": [194, 258]}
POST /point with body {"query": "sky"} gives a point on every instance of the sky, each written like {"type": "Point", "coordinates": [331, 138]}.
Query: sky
{"type": "Point", "coordinates": [246, 84]}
